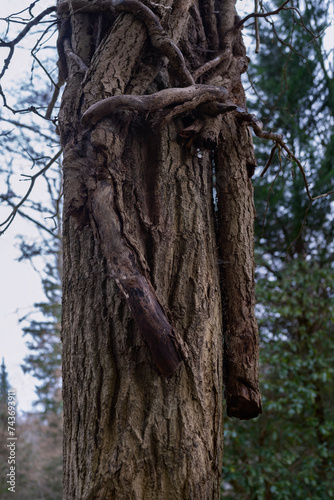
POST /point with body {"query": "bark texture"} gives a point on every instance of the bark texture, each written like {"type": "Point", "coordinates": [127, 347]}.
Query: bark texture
{"type": "Point", "coordinates": [142, 312]}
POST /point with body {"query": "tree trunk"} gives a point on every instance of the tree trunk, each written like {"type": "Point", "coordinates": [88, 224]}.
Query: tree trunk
{"type": "Point", "coordinates": [142, 313]}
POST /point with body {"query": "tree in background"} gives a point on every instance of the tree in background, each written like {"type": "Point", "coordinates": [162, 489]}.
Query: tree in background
{"type": "Point", "coordinates": [42, 327]}
{"type": "Point", "coordinates": [288, 452]}
{"type": "Point", "coordinates": [4, 387]}
{"type": "Point", "coordinates": [29, 142]}
{"type": "Point", "coordinates": [40, 457]}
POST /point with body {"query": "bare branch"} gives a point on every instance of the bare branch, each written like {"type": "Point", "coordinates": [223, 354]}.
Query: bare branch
{"type": "Point", "coordinates": [225, 54]}
{"type": "Point", "coordinates": [32, 109]}
{"type": "Point", "coordinates": [11, 45]}
{"type": "Point", "coordinates": [270, 159]}
{"type": "Point", "coordinates": [257, 32]}
{"type": "Point", "coordinates": [303, 24]}
{"type": "Point", "coordinates": [6, 223]}
{"type": "Point", "coordinates": [28, 217]}
{"type": "Point", "coordinates": [257, 126]}
{"type": "Point", "coordinates": [54, 97]}
{"type": "Point", "coordinates": [37, 48]}
{"type": "Point", "coordinates": [259, 14]}
{"type": "Point", "coordinates": [29, 127]}
{"type": "Point", "coordinates": [31, 6]}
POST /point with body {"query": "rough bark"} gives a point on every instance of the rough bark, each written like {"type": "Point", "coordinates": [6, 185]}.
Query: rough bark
{"type": "Point", "coordinates": [236, 211]}
{"type": "Point", "coordinates": [142, 313]}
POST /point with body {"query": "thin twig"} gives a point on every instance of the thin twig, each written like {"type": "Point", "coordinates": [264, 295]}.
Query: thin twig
{"type": "Point", "coordinates": [259, 14]}
{"type": "Point", "coordinates": [270, 159]}
{"type": "Point", "coordinates": [257, 32]}
{"type": "Point", "coordinates": [257, 126]}
{"type": "Point", "coordinates": [31, 219]}
{"type": "Point", "coordinates": [225, 54]}
{"type": "Point", "coordinates": [36, 49]}
{"type": "Point", "coordinates": [29, 127]}
{"type": "Point", "coordinates": [11, 45]}
{"type": "Point", "coordinates": [286, 44]}
{"type": "Point", "coordinates": [33, 178]}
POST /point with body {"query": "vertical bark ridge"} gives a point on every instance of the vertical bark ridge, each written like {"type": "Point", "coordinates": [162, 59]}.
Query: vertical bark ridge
{"type": "Point", "coordinates": [236, 214]}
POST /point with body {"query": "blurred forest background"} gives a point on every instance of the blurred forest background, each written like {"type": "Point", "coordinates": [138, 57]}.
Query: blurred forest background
{"type": "Point", "coordinates": [288, 452]}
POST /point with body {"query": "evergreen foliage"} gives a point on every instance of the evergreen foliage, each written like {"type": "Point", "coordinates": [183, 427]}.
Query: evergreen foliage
{"type": "Point", "coordinates": [4, 387]}
{"type": "Point", "coordinates": [42, 327]}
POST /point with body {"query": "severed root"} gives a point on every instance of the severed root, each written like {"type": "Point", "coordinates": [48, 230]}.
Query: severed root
{"type": "Point", "coordinates": [242, 401]}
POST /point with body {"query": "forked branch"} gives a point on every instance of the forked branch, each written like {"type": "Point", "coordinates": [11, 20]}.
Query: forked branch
{"type": "Point", "coordinates": [260, 14]}
{"type": "Point", "coordinates": [11, 45]}
{"type": "Point", "coordinates": [7, 222]}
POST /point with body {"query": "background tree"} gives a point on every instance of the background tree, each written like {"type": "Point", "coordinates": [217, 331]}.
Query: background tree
{"type": "Point", "coordinates": [289, 451]}
{"type": "Point", "coordinates": [40, 455]}
{"type": "Point", "coordinates": [42, 326]}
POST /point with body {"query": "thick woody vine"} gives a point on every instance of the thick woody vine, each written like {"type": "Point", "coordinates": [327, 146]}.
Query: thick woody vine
{"type": "Point", "coordinates": [206, 94]}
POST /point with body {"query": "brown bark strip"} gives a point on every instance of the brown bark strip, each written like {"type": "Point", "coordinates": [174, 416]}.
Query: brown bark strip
{"type": "Point", "coordinates": [153, 102]}
{"type": "Point", "coordinates": [137, 289]}
{"type": "Point", "coordinates": [236, 240]}
{"type": "Point", "coordinates": [207, 8]}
